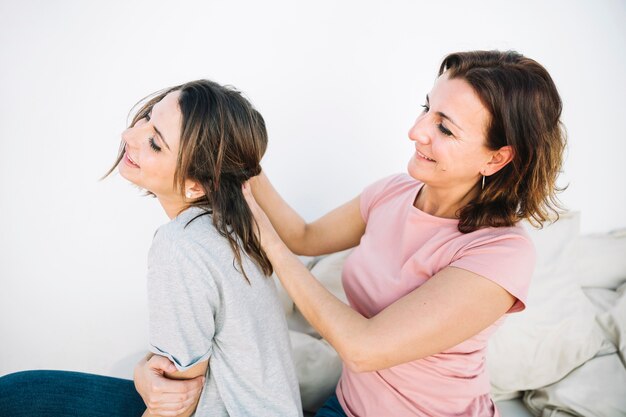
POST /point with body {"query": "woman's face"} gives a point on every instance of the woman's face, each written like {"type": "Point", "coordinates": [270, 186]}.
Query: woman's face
{"type": "Point", "coordinates": [449, 136]}
{"type": "Point", "coordinates": [152, 148]}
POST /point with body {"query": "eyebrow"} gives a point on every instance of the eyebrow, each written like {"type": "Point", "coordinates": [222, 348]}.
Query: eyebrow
{"type": "Point", "coordinates": [445, 116]}
{"type": "Point", "coordinates": [158, 132]}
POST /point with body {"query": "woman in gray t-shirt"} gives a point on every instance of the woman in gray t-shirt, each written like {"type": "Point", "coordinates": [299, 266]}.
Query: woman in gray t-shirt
{"type": "Point", "coordinates": [214, 310]}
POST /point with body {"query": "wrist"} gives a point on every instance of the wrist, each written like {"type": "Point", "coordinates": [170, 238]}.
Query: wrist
{"type": "Point", "coordinates": [273, 245]}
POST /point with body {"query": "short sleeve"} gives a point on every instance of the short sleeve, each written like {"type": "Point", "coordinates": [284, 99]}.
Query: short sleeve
{"type": "Point", "coordinates": [373, 192]}
{"type": "Point", "coordinates": [181, 302]}
{"type": "Point", "coordinates": [508, 259]}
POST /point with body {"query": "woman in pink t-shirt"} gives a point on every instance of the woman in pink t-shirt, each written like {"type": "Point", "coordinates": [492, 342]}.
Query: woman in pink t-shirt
{"type": "Point", "coordinates": [440, 257]}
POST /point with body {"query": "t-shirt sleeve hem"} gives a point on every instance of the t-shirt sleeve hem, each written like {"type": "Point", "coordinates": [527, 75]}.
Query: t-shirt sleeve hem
{"type": "Point", "coordinates": [180, 366]}
{"type": "Point", "coordinates": [518, 305]}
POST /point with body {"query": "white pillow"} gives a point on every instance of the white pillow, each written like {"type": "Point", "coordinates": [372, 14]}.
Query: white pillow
{"type": "Point", "coordinates": [327, 269]}
{"type": "Point", "coordinates": [613, 322]}
{"type": "Point", "coordinates": [318, 365]}
{"type": "Point", "coordinates": [318, 368]}
{"type": "Point", "coordinates": [286, 301]}
{"type": "Point", "coordinates": [557, 332]}
{"type": "Point", "coordinates": [598, 388]}
{"type": "Point", "coordinates": [601, 260]}
{"type": "Point", "coordinates": [555, 242]}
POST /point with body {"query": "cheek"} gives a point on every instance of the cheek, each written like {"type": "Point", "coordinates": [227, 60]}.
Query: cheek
{"type": "Point", "coordinates": [472, 159]}
{"type": "Point", "coordinates": [441, 149]}
{"type": "Point", "coordinates": [157, 167]}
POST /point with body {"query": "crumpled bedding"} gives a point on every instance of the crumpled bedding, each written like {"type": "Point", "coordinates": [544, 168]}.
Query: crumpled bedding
{"type": "Point", "coordinates": [598, 387]}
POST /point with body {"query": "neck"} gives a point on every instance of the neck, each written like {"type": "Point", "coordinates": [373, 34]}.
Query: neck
{"type": "Point", "coordinates": [173, 206]}
{"type": "Point", "coordinates": [444, 202]}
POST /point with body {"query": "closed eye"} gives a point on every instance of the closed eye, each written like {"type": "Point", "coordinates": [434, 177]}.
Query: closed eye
{"type": "Point", "coordinates": [443, 130]}
{"type": "Point", "coordinates": [440, 126]}
{"type": "Point", "coordinates": [154, 146]}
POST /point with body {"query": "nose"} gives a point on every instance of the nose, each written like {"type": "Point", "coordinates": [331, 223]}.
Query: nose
{"type": "Point", "coordinates": [419, 131]}
{"type": "Point", "coordinates": [131, 135]}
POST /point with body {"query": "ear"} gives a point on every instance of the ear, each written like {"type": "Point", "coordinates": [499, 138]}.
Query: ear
{"type": "Point", "coordinates": [193, 190]}
{"type": "Point", "coordinates": [498, 160]}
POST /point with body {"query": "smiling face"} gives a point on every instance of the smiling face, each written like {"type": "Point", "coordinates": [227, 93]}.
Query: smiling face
{"type": "Point", "coordinates": [151, 149]}
{"type": "Point", "coordinates": [449, 136]}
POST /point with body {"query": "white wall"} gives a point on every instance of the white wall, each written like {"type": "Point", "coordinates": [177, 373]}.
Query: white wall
{"type": "Point", "coordinates": [339, 83]}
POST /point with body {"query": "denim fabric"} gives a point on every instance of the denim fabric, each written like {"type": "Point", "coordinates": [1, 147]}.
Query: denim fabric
{"type": "Point", "coordinates": [331, 408]}
{"type": "Point", "coordinates": [67, 394]}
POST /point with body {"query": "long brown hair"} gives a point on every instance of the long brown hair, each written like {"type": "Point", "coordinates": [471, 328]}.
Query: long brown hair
{"type": "Point", "coordinates": [525, 112]}
{"type": "Point", "coordinates": [223, 139]}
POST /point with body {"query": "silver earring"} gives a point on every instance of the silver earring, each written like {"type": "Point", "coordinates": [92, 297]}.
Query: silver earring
{"type": "Point", "coordinates": [483, 186]}
{"type": "Point", "coordinates": [188, 194]}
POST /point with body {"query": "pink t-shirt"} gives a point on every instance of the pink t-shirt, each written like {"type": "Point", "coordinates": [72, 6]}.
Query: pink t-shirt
{"type": "Point", "coordinates": [401, 249]}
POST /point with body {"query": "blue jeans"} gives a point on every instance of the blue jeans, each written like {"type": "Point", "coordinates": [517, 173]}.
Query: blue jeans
{"type": "Point", "coordinates": [331, 408]}
{"type": "Point", "coordinates": [67, 394]}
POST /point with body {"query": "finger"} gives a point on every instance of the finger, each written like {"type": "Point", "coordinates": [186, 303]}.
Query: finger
{"type": "Point", "coordinates": [174, 402]}
{"type": "Point", "coordinates": [169, 401]}
{"type": "Point", "coordinates": [161, 363]}
{"type": "Point", "coordinates": [247, 193]}
{"type": "Point", "coordinates": [196, 390]}
{"type": "Point", "coordinates": [187, 405]}
{"type": "Point", "coordinates": [178, 386]}
{"type": "Point", "coordinates": [174, 405]}
{"type": "Point", "coordinates": [194, 385]}
{"type": "Point", "coordinates": [165, 413]}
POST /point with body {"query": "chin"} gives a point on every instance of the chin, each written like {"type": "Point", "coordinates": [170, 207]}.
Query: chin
{"type": "Point", "coordinates": [123, 172]}
{"type": "Point", "coordinates": [126, 175]}
{"type": "Point", "coordinates": [414, 171]}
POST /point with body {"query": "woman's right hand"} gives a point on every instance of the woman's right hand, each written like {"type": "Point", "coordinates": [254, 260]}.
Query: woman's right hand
{"type": "Point", "coordinates": [163, 396]}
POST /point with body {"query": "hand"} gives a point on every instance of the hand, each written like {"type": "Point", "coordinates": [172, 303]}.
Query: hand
{"type": "Point", "coordinates": [163, 396]}
{"type": "Point", "coordinates": [266, 233]}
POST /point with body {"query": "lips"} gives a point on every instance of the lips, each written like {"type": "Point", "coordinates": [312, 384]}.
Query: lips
{"type": "Point", "coordinates": [129, 160]}
{"type": "Point", "coordinates": [422, 156]}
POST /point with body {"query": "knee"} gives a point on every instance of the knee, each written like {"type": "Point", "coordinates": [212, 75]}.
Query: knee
{"type": "Point", "coordinates": [18, 392]}
{"type": "Point", "coordinates": [19, 380]}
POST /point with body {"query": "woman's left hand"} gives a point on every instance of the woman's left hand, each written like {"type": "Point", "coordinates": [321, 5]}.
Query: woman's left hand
{"type": "Point", "coordinates": [163, 396]}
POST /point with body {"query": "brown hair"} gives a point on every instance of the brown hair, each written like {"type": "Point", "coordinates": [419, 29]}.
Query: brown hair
{"type": "Point", "coordinates": [223, 139]}
{"type": "Point", "coordinates": [525, 110]}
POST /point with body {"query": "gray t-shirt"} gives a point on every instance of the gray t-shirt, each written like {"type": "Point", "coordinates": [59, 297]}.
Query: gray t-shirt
{"type": "Point", "coordinates": [202, 308]}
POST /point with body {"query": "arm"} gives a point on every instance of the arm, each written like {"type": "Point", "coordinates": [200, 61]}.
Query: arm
{"type": "Point", "coordinates": [181, 321]}
{"type": "Point", "coordinates": [451, 308]}
{"type": "Point", "coordinates": [164, 390]}
{"type": "Point", "coordinates": [340, 229]}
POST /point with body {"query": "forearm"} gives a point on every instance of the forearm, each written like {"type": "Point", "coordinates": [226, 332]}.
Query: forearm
{"type": "Point", "coordinates": [289, 225]}
{"type": "Point", "coordinates": [337, 230]}
{"type": "Point", "coordinates": [336, 322]}
{"type": "Point", "coordinates": [165, 390]}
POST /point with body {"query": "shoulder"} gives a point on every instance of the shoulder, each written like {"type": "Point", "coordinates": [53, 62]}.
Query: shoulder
{"type": "Point", "coordinates": [385, 189]}
{"type": "Point", "coordinates": [504, 255]}
{"type": "Point", "coordinates": [393, 183]}
{"type": "Point", "coordinates": [188, 235]}
{"type": "Point", "coordinates": [514, 237]}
